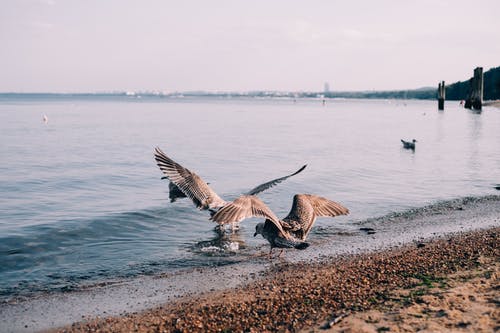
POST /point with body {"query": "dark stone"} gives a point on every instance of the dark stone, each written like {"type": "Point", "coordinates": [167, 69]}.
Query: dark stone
{"type": "Point", "coordinates": [463, 324]}
{"type": "Point", "coordinates": [369, 231]}
{"type": "Point", "coordinates": [441, 313]}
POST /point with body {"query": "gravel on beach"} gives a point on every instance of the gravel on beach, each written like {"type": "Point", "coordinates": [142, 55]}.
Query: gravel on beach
{"type": "Point", "coordinates": [298, 297]}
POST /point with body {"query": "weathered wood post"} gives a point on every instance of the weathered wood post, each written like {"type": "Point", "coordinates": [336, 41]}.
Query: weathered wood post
{"type": "Point", "coordinates": [441, 95]}
{"type": "Point", "coordinates": [475, 99]}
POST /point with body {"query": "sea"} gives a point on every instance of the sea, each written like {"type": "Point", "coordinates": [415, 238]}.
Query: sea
{"type": "Point", "coordinates": [82, 200]}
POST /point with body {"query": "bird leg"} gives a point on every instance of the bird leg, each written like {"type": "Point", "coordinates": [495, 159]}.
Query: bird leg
{"type": "Point", "coordinates": [221, 228]}
{"type": "Point", "coordinates": [271, 254]}
{"type": "Point", "coordinates": [234, 227]}
{"type": "Point", "coordinates": [261, 254]}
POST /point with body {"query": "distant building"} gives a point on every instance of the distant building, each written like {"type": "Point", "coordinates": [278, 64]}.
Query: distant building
{"type": "Point", "coordinates": [327, 88]}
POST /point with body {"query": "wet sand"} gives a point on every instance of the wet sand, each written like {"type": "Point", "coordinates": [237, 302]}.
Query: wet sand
{"type": "Point", "coordinates": [301, 297]}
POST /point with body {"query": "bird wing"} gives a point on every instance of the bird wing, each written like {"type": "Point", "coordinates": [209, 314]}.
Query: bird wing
{"type": "Point", "coordinates": [306, 207]}
{"type": "Point", "coordinates": [325, 207]}
{"type": "Point", "coordinates": [244, 207]}
{"type": "Point", "coordinates": [269, 184]}
{"type": "Point", "coordinates": [188, 182]}
{"type": "Point", "coordinates": [174, 192]}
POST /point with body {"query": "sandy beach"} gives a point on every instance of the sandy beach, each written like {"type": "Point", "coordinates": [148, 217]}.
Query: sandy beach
{"type": "Point", "coordinates": [466, 301]}
{"type": "Point", "coordinates": [449, 283]}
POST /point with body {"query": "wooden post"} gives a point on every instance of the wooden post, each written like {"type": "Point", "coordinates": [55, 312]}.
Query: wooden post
{"type": "Point", "coordinates": [468, 100]}
{"type": "Point", "coordinates": [441, 95]}
{"type": "Point", "coordinates": [475, 99]}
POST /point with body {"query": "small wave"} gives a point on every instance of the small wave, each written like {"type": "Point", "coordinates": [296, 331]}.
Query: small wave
{"type": "Point", "coordinates": [45, 256]}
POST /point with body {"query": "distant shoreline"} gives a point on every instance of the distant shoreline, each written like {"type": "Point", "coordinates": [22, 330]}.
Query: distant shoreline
{"type": "Point", "coordinates": [159, 96]}
{"type": "Point", "coordinates": [492, 103]}
{"type": "Point", "coordinates": [403, 95]}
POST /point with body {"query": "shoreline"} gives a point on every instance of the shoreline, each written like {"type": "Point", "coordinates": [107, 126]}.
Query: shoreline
{"type": "Point", "coordinates": [495, 103]}
{"type": "Point", "coordinates": [123, 298]}
{"type": "Point", "coordinates": [298, 297]}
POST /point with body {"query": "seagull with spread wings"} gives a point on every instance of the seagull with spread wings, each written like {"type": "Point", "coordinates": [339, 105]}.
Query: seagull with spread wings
{"type": "Point", "coordinates": [292, 231]}
{"type": "Point", "coordinates": [189, 184]}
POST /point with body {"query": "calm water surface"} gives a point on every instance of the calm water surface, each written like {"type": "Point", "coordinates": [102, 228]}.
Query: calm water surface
{"type": "Point", "coordinates": [81, 198]}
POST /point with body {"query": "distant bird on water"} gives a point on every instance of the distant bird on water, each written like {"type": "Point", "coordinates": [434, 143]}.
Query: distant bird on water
{"type": "Point", "coordinates": [45, 118]}
{"type": "Point", "coordinates": [408, 144]}
{"type": "Point", "coordinates": [290, 232]}
{"type": "Point", "coordinates": [185, 183]}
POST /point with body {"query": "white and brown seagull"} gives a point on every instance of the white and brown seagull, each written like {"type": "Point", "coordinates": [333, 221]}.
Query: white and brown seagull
{"type": "Point", "coordinates": [290, 232]}
{"type": "Point", "coordinates": [191, 185]}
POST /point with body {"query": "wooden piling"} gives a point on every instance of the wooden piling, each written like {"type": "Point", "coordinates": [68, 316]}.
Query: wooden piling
{"type": "Point", "coordinates": [475, 98]}
{"type": "Point", "coordinates": [441, 95]}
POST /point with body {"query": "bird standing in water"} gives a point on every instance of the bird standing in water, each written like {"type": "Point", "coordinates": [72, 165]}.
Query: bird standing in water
{"type": "Point", "coordinates": [290, 232]}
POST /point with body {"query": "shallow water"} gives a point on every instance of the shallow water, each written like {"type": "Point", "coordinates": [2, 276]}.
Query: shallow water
{"type": "Point", "coordinates": [82, 200]}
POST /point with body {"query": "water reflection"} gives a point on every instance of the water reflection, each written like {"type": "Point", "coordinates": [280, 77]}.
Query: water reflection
{"type": "Point", "coordinates": [475, 124]}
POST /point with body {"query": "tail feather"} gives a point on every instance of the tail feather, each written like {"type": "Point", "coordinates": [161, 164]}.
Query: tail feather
{"type": "Point", "coordinates": [301, 246]}
{"type": "Point", "coordinates": [289, 243]}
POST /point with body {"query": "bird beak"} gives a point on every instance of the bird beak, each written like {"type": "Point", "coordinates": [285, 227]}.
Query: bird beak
{"type": "Point", "coordinates": [255, 234]}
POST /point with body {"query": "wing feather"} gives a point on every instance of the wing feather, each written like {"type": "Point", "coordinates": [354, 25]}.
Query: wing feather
{"type": "Point", "coordinates": [306, 208]}
{"type": "Point", "coordinates": [269, 184]}
{"type": "Point", "coordinates": [325, 207]}
{"type": "Point", "coordinates": [244, 207]}
{"type": "Point", "coordinates": [188, 182]}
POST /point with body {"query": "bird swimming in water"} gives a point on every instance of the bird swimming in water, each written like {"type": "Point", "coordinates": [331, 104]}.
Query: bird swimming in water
{"type": "Point", "coordinates": [191, 185]}
{"type": "Point", "coordinates": [290, 232]}
{"type": "Point", "coordinates": [408, 144]}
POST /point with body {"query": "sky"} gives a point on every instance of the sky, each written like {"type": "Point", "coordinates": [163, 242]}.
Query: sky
{"type": "Point", "coordinates": [236, 45]}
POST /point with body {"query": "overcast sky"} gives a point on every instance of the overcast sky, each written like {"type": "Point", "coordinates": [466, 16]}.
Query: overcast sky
{"type": "Point", "coordinates": [236, 45]}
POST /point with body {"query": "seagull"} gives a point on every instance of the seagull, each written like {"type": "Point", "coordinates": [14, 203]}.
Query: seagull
{"type": "Point", "coordinates": [191, 185]}
{"type": "Point", "coordinates": [290, 232]}
{"type": "Point", "coordinates": [270, 231]}
{"type": "Point", "coordinates": [408, 144]}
